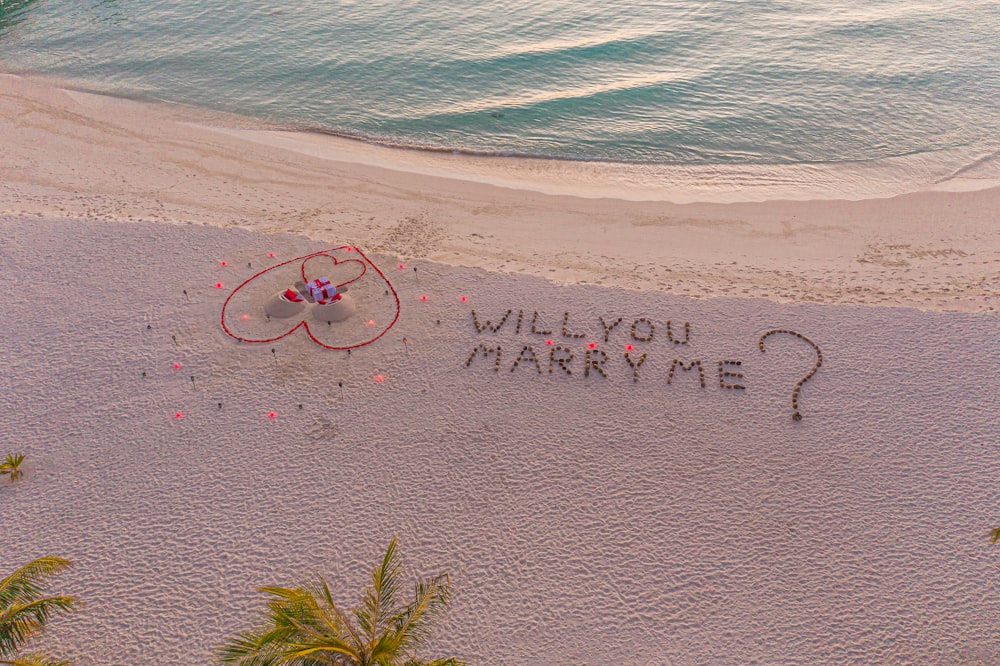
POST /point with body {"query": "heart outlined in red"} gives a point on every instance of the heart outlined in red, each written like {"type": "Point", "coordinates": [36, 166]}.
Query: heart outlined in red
{"type": "Point", "coordinates": [365, 264]}
{"type": "Point", "coordinates": [336, 262]}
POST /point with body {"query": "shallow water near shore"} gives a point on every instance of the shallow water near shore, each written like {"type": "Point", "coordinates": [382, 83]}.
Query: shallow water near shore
{"type": "Point", "coordinates": [830, 97]}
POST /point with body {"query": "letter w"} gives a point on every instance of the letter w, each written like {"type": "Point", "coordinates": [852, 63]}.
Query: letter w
{"type": "Point", "coordinates": [488, 324]}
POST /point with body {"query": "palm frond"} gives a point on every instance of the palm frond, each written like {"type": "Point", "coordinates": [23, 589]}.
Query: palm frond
{"type": "Point", "coordinates": [23, 609]}
{"type": "Point", "coordinates": [994, 534]}
{"type": "Point", "coordinates": [266, 645]}
{"type": "Point", "coordinates": [296, 630]}
{"type": "Point", "coordinates": [302, 626]}
{"type": "Point", "coordinates": [19, 622]}
{"type": "Point", "coordinates": [25, 583]}
{"type": "Point", "coordinates": [35, 660]}
{"type": "Point", "coordinates": [336, 618]}
{"type": "Point", "coordinates": [412, 625]}
{"type": "Point", "coordinates": [318, 635]}
{"type": "Point", "coordinates": [11, 465]}
{"type": "Point", "coordinates": [377, 607]}
{"type": "Point", "coordinates": [255, 648]}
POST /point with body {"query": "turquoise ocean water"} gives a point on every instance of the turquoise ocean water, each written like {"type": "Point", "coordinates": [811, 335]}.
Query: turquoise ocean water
{"type": "Point", "coordinates": [689, 82]}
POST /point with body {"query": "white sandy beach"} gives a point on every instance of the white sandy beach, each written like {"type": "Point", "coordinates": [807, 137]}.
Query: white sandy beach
{"type": "Point", "coordinates": [584, 518]}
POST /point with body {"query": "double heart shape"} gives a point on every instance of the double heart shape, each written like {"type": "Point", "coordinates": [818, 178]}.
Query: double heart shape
{"type": "Point", "coordinates": [307, 264]}
{"type": "Point", "coordinates": [312, 260]}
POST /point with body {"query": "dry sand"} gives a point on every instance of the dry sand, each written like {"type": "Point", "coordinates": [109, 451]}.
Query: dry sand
{"type": "Point", "coordinates": [585, 519]}
{"type": "Point", "coordinates": [75, 154]}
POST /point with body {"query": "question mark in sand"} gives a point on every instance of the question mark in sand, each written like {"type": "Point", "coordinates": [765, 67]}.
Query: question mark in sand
{"type": "Point", "coordinates": [819, 361]}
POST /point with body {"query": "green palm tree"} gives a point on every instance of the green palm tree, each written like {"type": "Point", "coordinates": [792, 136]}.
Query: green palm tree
{"type": "Point", "coordinates": [304, 627]}
{"type": "Point", "coordinates": [24, 611]}
{"type": "Point", "coordinates": [11, 465]}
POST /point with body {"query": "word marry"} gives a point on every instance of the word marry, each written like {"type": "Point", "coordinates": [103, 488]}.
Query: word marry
{"type": "Point", "coordinates": [594, 360]}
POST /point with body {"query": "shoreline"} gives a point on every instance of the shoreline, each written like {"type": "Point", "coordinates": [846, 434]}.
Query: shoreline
{"type": "Point", "coordinates": [851, 180]}
{"type": "Point", "coordinates": [77, 154]}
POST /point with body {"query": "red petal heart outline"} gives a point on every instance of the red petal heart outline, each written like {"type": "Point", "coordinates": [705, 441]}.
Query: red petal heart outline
{"type": "Point", "coordinates": [304, 324]}
{"type": "Point", "coordinates": [336, 262]}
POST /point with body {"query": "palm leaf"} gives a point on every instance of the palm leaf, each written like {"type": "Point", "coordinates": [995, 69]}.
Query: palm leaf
{"type": "Point", "coordinates": [263, 648]}
{"type": "Point", "coordinates": [35, 660]}
{"type": "Point", "coordinates": [337, 615]}
{"type": "Point", "coordinates": [23, 610]}
{"type": "Point", "coordinates": [19, 622]}
{"type": "Point", "coordinates": [319, 636]}
{"type": "Point", "coordinates": [11, 465]}
{"type": "Point", "coordinates": [380, 596]}
{"type": "Point", "coordinates": [296, 631]}
{"type": "Point", "coordinates": [304, 627]}
{"type": "Point", "coordinates": [412, 625]}
{"type": "Point", "coordinates": [24, 584]}
{"type": "Point", "coordinates": [267, 644]}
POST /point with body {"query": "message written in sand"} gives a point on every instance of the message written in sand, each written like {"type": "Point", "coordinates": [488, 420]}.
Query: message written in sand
{"type": "Point", "coordinates": [547, 356]}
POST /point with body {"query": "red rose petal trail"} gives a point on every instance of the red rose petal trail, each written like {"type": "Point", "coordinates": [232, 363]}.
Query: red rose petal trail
{"type": "Point", "coordinates": [304, 324]}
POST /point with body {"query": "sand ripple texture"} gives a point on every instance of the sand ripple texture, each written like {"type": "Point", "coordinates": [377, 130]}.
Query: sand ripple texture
{"type": "Point", "coordinates": [584, 520]}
